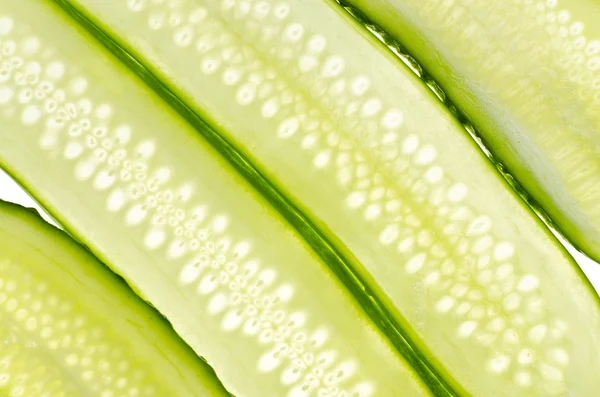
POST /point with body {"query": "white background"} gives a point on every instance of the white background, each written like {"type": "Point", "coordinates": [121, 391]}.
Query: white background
{"type": "Point", "coordinates": [10, 191]}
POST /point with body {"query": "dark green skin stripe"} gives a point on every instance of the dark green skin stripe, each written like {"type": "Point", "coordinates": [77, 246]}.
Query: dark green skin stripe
{"type": "Point", "coordinates": [534, 196]}
{"type": "Point", "coordinates": [339, 260]}
{"type": "Point", "coordinates": [422, 73]}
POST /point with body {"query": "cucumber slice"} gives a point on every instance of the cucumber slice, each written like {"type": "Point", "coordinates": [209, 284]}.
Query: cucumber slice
{"type": "Point", "coordinates": [70, 327]}
{"type": "Point", "coordinates": [526, 74]}
{"type": "Point", "coordinates": [127, 176]}
{"type": "Point", "coordinates": [365, 150]}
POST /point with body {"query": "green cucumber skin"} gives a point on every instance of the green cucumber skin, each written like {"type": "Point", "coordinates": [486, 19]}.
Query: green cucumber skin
{"type": "Point", "coordinates": [321, 224]}
{"type": "Point", "coordinates": [514, 137]}
{"type": "Point", "coordinates": [74, 213]}
{"type": "Point", "coordinates": [60, 260]}
{"type": "Point", "coordinates": [335, 255]}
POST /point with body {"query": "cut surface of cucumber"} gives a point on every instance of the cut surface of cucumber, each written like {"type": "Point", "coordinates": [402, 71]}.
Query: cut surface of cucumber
{"type": "Point", "coordinates": [376, 161]}
{"type": "Point", "coordinates": [133, 181]}
{"type": "Point", "coordinates": [527, 75]}
{"type": "Point", "coordinates": [70, 328]}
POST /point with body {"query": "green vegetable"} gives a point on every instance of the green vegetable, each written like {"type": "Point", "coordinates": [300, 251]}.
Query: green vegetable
{"type": "Point", "coordinates": [70, 327]}
{"type": "Point", "coordinates": [434, 250]}
{"type": "Point", "coordinates": [527, 75]}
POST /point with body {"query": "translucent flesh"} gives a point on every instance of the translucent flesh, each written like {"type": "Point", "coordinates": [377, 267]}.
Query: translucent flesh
{"type": "Point", "coordinates": [527, 74]}
{"type": "Point", "coordinates": [376, 161]}
{"type": "Point", "coordinates": [132, 180]}
{"type": "Point", "coordinates": [70, 327]}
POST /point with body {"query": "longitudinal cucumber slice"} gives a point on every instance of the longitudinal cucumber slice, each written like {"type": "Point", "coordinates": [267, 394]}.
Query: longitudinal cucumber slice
{"type": "Point", "coordinates": [128, 177]}
{"type": "Point", "coordinates": [527, 75]}
{"type": "Point", "coordinates": [70, 328]}
{"type": "Point", "coordinates": [391, 178]}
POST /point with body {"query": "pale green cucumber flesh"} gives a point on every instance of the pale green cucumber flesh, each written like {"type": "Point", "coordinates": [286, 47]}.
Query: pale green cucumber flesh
{"type": "Point", "coordinates": [527, 75]}
{"type": "Point", "coordinates": [392, 180]}
{"type": "Point", "coordinates": [70, 327]}
{"type": "Point", "coordinates": [128, 177]}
